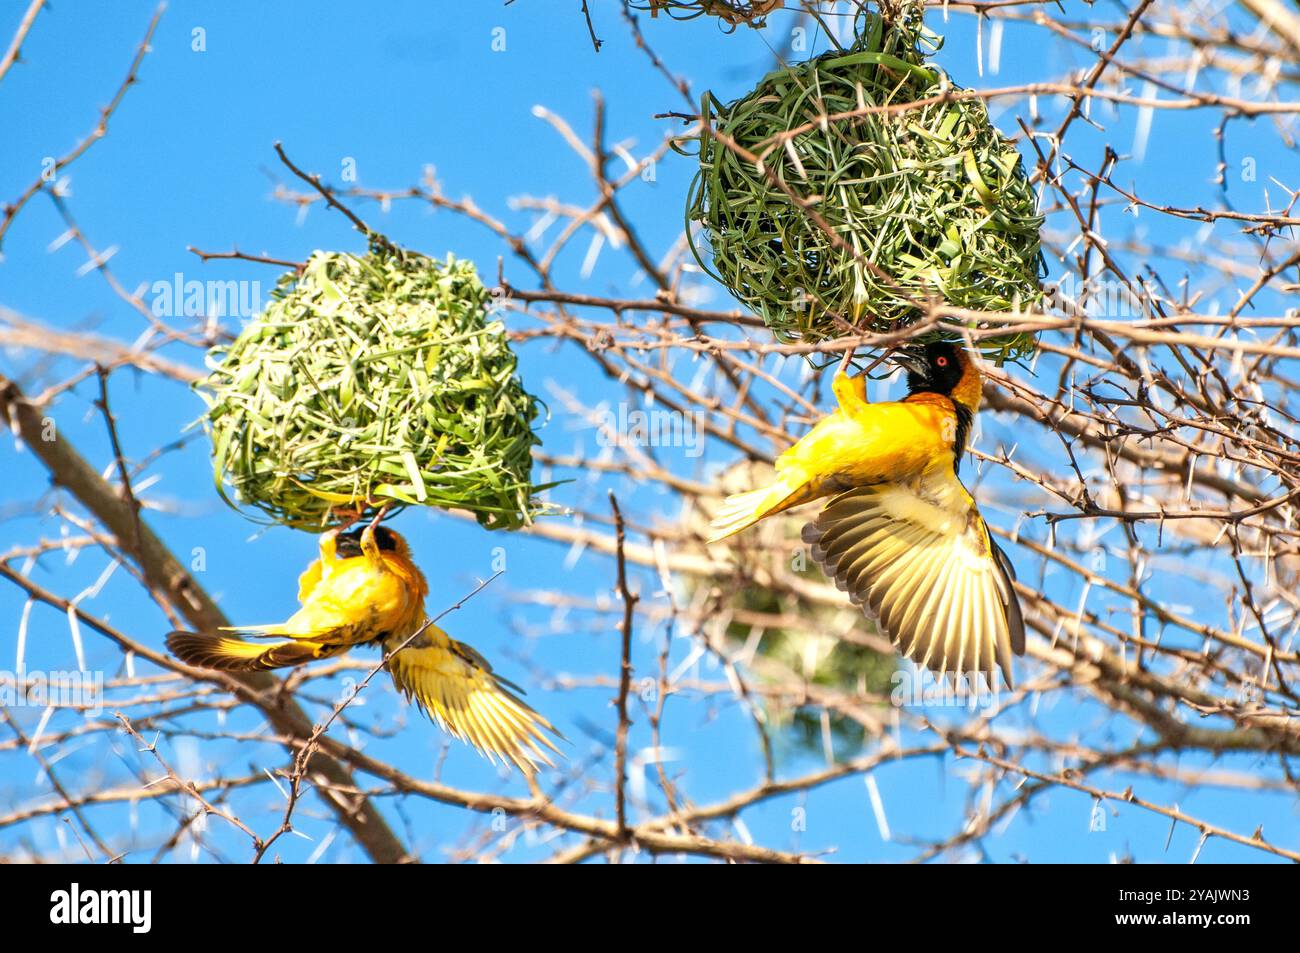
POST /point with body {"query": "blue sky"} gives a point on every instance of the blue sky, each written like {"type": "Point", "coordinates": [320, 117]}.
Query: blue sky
{"type": "Point", "coordinates": [188, 161]}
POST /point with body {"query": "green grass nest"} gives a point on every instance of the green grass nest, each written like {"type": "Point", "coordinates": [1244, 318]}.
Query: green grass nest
{"type": "Point", "coordinates": [934, 196]}
{"type": "Point", "coordinates": [368, 381]}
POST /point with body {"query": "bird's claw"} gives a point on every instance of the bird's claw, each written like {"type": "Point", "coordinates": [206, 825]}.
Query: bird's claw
{"type": "Point", "coordinates": [379, 518]}
{"type": "Point", "coordinates": [347, 518]}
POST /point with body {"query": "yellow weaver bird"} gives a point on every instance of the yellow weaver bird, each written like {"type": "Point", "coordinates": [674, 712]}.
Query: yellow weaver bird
{"type": "Point", "coordinates": [901, 535]}
{"type": "Point", "coordinates": [365, 590]}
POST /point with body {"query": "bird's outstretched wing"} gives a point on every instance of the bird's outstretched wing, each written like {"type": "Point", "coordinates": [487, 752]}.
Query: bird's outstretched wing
{"type": "Point", "coordinates": [455, 686]}
{"type": "Point", "coordinates": [918, 560]}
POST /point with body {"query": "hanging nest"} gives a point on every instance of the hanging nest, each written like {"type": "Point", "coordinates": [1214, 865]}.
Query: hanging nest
{"type": "Point", "coordinates": [924, 202]}
{"type": "Point", "coordinates": [372, 381]}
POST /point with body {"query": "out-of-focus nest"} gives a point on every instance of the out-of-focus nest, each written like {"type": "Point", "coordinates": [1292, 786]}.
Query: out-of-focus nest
{"type": "Point", "coordinates": [923, 202]}
{"type": "Point", "coordinates": [368, 381]}
{"type": "Point", "coordinates": [774, 609]}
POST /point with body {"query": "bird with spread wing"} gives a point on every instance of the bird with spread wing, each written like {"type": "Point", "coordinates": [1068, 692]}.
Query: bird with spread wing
{"type": "Point", "coordinates": [901, 535]}
{"type": "Point", "coordinates": [366, 590]}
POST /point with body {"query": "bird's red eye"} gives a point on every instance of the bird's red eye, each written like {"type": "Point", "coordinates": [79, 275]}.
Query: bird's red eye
{"type": "Point", "coordinates": [942, 362]}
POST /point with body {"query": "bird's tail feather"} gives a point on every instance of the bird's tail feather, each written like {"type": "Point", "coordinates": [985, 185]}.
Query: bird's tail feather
{"type": "Point", "coordinates": [742, 510]}
{"type": "Point", "coordinates": [230, 654]}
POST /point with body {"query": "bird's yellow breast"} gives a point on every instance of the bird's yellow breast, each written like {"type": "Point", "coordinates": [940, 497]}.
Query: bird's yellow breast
{"type": "Point", "coordinates": [374, 603]}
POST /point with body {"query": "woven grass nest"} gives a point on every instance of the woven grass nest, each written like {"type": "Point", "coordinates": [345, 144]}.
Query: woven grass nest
{"type": "Point", "coordinates": [933, 196]}
{"type": "Point", "coordinates": [369, 381]}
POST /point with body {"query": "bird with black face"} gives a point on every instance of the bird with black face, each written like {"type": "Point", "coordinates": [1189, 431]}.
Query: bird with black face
{"type": "Point", "coordinates": [365, 590]}
{"type": "Point", "coordinates": [901, 535]}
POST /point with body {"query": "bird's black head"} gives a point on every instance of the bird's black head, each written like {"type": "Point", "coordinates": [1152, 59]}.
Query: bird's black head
{"type": "Point", "coordinates": [934, 368]}
{"type": "Point", "coordinates": [349, 543]}
{"type": "Point", "coordinates": [948, 370]}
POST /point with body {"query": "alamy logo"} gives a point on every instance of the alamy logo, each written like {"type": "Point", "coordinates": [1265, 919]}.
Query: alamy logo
{"type": "Point", "coordinates": [72, 689]}
{"type": "Point", "coordinates": [181, 298]}
{"type": "Point", "coordinates": [654, 428]}
{"type": "Point", "coordinates": [134, 907]}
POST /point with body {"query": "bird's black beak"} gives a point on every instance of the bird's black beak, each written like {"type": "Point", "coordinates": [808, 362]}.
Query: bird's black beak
{"type": "Point", "coordinates": [910, 359]}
